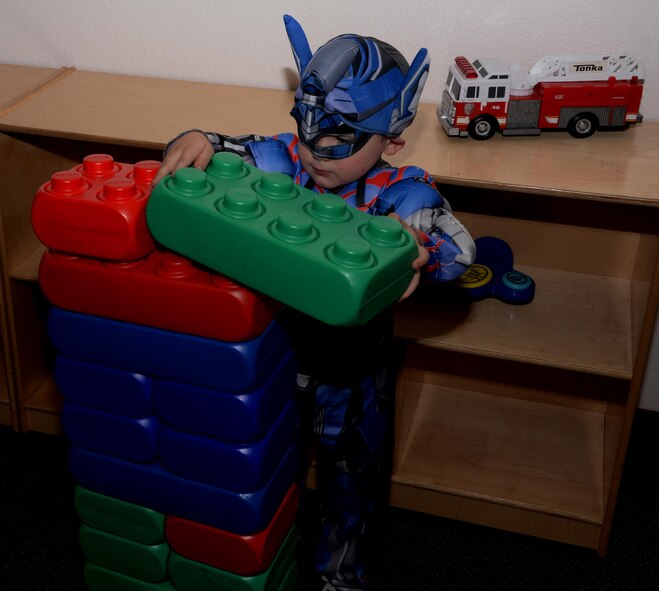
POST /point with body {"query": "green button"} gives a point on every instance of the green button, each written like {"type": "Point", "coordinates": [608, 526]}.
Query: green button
{"type": "Point", "coordinates": [226, 165]}
{"type": "Point", "coordinates": [385, 231]}
{"type": "Point", "coordinates": [241, 204]}
{"type": "Point", "coordinates": [329, 208]}
{"type": "Point", "coordinates": [276, 185]}
{"type": "Point", "coordinates": [190, 181]}
{"type": "Point", "coordinates": [350, 252]}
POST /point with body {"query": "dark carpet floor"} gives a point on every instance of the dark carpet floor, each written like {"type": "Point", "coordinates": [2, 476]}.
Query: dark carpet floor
{"type": "Point", "coordinates": [39, 549]}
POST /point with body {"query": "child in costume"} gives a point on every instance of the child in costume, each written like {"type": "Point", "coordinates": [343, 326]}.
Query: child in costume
{"type": "Point", "coordinates": [356, 96]}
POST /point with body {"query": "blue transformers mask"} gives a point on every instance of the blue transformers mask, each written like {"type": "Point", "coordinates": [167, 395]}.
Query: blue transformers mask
{"type": "Point", "coordinates": [352, 88]}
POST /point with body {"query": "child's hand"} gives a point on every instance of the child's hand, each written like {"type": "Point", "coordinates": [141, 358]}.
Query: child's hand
{"type": "Point", "coordinates": [419, 262]}
{"type": "Point", "coordinates": [191, 149]}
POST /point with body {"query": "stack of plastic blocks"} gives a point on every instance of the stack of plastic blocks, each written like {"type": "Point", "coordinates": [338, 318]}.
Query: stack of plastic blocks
{"type": "Point", "coordinates": [178, 387]}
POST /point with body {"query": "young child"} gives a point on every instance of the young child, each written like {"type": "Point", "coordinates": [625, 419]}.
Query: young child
{"type": "Point", "coordinates": [356, 96]}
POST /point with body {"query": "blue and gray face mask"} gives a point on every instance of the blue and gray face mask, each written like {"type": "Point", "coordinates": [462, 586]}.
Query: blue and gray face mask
{"type": "Point", "coordinates": [314, 125]}
{"type": "Point", "coordinates": [352, 88]}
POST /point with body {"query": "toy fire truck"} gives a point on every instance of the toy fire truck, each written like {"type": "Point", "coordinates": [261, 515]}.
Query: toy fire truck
{"type": "Point", "coordinates": [577, 93]}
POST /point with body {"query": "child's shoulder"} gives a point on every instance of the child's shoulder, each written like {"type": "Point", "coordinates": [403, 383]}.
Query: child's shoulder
{"type": "Point", "coordinates": [394, 174]}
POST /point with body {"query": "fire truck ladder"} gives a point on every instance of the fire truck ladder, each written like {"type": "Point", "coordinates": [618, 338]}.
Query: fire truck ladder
{"type": "Point", "coordinates": [585, 67]}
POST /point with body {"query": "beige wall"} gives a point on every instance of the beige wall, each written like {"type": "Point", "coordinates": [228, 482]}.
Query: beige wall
{"type": "Point", "coordinates": [239, 42]}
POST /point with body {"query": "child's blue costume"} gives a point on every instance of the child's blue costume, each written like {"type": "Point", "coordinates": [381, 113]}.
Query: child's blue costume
{"type": "Point", "coordinates": [355, 86]}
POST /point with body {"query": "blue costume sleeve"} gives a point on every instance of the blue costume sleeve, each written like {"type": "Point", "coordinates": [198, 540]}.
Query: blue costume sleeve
{"type": "Point", "coordinates": [418, 203]}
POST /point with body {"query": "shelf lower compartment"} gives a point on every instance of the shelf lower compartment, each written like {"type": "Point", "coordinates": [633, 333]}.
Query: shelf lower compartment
{"type": "Point", "coordinates": [43, 409]}
{"type": "Point", "coordinates": [496, 515]}
{"type": "Point", "coordinates": [5, 412]}
{"type": "Point", "coordinates": [504, 455]}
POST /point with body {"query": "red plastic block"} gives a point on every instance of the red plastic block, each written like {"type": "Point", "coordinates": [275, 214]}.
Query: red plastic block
{"type": "Point", "coordinates": [97, 209]}
{"type": "Point", "coordinates": [242, 555]}
{"type": "Point", "coordinates": [162, 290]}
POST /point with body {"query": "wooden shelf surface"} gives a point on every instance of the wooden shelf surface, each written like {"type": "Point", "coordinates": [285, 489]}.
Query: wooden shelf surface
{"type": "Point", "coordinates": [28, 269]}
{"type": "Point", "coordinates": [5, 413]}
{"type": "Point", "coordinates": [46, 398]}
{"type": "Point", "coordinates": [148, 112]}
{"type": "Point", "coordinates": [43, 408]}
{"type": "Point", "coordinates": [20, 83]}
{"type": "Point", "coordinates": [505, 450]}
{"type": "Point", "coordinates": [576, 321]}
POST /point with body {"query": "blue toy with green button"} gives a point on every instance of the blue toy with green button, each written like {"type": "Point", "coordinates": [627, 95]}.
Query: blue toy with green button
{"type": "Point", "coordinates": [492, 274]}
{"type": "Point", "coordinates": [309, 250]}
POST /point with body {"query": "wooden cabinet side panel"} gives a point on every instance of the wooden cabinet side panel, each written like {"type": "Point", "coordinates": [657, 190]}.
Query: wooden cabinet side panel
{"type": "Point", "coordinates": [23, 168]}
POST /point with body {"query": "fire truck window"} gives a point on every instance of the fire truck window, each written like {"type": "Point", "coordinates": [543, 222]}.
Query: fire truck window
{"type": "Point", "coordinates": [455, 89]}
{"type": "Point", "coordinates": [480, 68]}
{"type": "Point", "coordinates": [448, 80]}
{"type": "Point", "coordinates": [496, 92]}
{"type": "Point", "coordinates": [472, 92]}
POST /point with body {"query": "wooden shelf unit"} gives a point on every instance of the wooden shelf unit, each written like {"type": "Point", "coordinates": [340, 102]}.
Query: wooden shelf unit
{"type": "Point", "coordinates": [515, 417]}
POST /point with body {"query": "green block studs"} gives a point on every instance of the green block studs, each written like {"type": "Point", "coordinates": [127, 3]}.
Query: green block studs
{"type": "Point", "coordinates": [308, 250]}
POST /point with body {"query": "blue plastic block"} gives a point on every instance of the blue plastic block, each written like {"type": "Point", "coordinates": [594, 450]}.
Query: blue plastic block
{"type": "Point", "coordinates": [135, 440]}
{"type": "Point", "coordinates": [231, 466]}
{"type": "Point", "coordinates": [308, 250]}
{"type": "Point", "coordinates": [150, 485]}
{"type": "Point", "coordinates": [104, 388]}
{"type": "Point", "coordinates": [229, 416]}
{"type": "Point", "coordinates": [168, 355]}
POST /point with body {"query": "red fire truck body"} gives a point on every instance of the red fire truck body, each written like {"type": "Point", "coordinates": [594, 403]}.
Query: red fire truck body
{"type": "Point", "coordinates": [578, 93]}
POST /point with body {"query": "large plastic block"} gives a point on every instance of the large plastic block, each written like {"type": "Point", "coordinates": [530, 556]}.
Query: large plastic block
{"type": "Point", "coordinates": [158, 353]}
{"type": "Point", "coordinates": [164, 290]}
{"type": "Point", "coordinates": [242, 555]}
{"type": "Point", "coordinates": [232, 466]}
{"type": "Point", "coordinates": [135, 440]}
{"type": "Point", "coordinates": [230, 416]}
{"type": "Point", "coordinates": [114, 516]}
{"type": "Point", "coordinates": [96, 209]}
{"type": "Point", "coordinates": [98, 578]}
{"type": "Point", "coordinates": [150, 485]}
{"type": "Point", "coordinates": [147, 563]}
{"type": "Point", "coordinates": [104, 388]}
{"type": "Point", "coordinates": [308, 250]}
{"type": "Point", "coordinates": [189, 575]}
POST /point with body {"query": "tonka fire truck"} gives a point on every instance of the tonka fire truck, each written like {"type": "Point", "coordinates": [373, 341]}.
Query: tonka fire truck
{"type": "Point", "coordinates": [577, 93]}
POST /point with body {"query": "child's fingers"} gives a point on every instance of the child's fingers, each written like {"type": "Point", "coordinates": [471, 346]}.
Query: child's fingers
{"type": "Point", "coordinates": [203, 159]}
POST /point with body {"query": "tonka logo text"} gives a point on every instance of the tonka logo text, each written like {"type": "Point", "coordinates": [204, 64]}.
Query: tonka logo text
{"type": "Point", "coordinates": [587, 68]}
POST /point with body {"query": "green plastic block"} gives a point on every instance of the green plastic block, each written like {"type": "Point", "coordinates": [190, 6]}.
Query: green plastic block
{"type": "Point", "coordinates": [98, 578]}
{"type": "Point", "coordinates": [189, 575]}
{"type": "Point", "coordinates": [120, 518]}
{"type": "Point", "coordinates": [146, 563]}
{"type": "Point", "coordinates": [289, 582]}
{"type": "Point", "coordinates": [308, 250]}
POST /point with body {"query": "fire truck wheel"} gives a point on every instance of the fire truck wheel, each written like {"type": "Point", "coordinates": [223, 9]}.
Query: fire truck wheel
{"type": "Point", "coordinates": [582, 125]}
{"type": "Point", "coordinates": [483, 128]}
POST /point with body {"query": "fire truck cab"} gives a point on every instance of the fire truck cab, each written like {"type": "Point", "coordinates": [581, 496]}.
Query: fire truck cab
{"type": "Point", "coordinates": [577, 93]}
